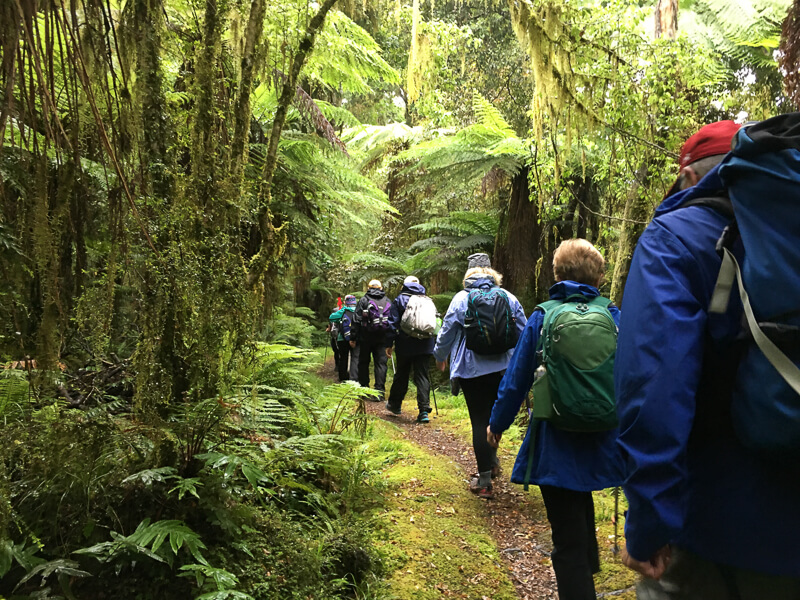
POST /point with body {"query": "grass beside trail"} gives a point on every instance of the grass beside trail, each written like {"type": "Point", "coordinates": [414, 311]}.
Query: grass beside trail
{"type": "Point", "coordinates": [429, 527]}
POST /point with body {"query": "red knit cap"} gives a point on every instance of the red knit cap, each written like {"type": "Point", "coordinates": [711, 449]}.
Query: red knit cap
{"type": "Point", "coordinates": [710, 140]}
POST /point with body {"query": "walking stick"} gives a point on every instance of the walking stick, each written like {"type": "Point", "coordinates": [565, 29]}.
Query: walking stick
{"type": "Point", "coordinates": [616, 520]}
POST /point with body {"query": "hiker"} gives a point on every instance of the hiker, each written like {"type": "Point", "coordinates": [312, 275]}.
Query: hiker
{"type": "Point", "coordinates": [479, 356]}
{"type": "Point", "coordinates": [333, 336]}
{"type": "Point", "coordinates": [712, 514]}
{"type": "Point", "coordinates": [567, 460]}
{"type": "Point", "coordinates": [413, 334]}
{"type": "Point", "coordinates": [344, 318]}
{"type": "Point", "coordinates": [372, 323]}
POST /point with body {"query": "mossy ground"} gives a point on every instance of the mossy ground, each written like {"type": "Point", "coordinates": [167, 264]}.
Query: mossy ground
{"type": "Point", "coordinates": [432, 531]}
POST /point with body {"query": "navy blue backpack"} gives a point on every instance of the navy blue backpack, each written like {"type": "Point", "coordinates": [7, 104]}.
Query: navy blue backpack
{"type": "Point", "coordinates": [762, 177]}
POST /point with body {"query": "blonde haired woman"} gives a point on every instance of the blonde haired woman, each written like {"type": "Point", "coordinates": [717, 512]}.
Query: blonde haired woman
{"type": "Point", "coordinates": [478, 374]}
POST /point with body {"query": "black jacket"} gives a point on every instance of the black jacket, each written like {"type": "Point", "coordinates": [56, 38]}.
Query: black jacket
{"type": "Point", "coordinates": [362, 306]}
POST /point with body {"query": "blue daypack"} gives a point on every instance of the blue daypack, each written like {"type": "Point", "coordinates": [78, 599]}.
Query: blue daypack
{"type": "Point", "coordinates": [762, 178]}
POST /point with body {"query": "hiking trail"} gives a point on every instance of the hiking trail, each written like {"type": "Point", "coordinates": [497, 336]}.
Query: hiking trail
{"type": "Point", "coordinates": [514, 521]}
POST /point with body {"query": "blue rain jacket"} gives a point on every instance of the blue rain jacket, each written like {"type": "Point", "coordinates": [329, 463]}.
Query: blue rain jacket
{"type": "Point", "coordinates": [451, 342]}
{"type": "Point", "coordinates": [346, 315]}
{"type": "Point", "coordinates": [576, 461]}
{"type": "Point", "coordinates": [686, 484]}
{"type": "Point", "coordinates": [405, 344]}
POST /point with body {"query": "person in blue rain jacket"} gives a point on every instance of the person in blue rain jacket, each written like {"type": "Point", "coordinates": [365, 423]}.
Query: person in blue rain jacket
{"type": "Point", "coordinates": [479, 375]}
{"type": "Point", "coordinates": [707, 517]}
{"type": "Point", "coordinates": [567, 466]}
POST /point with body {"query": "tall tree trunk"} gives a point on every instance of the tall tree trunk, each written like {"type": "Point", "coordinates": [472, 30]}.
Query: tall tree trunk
{"type": "Point", "coordinates": [156, 131]}
{"type": "Point", "coordinates": [204, 139]}
{"type": "Point", "coordinates": [243, 114]}
{"type": "Point", "coordinates": [637, 213]}
{"type": "Point", "coordinates": [789, 59]}
{"type": "Point", "coordinates": [516, 248]}
{"type": "Point", "coordinates": [9, 42]}
{"type": "Point", "coordinates": [273, 242]}
{"type": "Point", "coordinates": [666, 19]}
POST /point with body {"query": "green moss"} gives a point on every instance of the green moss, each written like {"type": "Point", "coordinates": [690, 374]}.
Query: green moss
{"type": "Point", "coordinates": [431, 530]}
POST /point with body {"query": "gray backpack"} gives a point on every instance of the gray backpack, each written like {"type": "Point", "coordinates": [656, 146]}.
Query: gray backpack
{"type": "Point", "coordinates": [419, 319]}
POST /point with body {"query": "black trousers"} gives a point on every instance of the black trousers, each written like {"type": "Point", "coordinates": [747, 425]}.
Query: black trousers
{"type": "Point", "coordinates": [575, 555]}
{"type": "Point", "coordinates": [480, 394]}
{"type": "Point", "coordinates": [335, 348]}
{"type": "Point", "coordinates": [375, 348]}
{"type": "Point", "coordinates": [345, 351]}
{"type": "Point", "coordinates": [420, 363]}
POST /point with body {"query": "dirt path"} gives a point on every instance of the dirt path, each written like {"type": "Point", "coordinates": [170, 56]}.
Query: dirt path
{"type": "Point", "coordinates": [517, 527]}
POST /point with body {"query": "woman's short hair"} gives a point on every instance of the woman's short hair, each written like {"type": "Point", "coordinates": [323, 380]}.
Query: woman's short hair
{"type": "Point", "coordinates": [578, 260]}
{"type": "Point", "coordinates": [479, 272]}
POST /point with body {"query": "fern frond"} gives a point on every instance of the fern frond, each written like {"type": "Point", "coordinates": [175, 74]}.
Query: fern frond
{"type": "Point", "coordinates": [147, 540]}
{"type": "Point", "coordinates": [346, 57]}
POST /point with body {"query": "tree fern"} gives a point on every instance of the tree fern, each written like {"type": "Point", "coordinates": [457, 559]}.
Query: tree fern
{"type": "Point", "coordinates": [469, 154]}
{"type": "Point", "coordinates": [748, 32]}
{"type": "Point", "coordinates": [347, 58]}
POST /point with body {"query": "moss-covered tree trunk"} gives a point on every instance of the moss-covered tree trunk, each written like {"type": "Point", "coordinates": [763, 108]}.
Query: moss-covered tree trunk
{"type": "Point", "coordinates": [243, 111]}
{"type": "Point", "coordinates": [273, 242]}
{"type": "Point", "coordinates": [637, 213]}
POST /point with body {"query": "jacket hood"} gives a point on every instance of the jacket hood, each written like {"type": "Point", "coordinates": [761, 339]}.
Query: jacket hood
{"type": "Point", "coordinates": [413, 288]}
{"type": "Point", "coordinates": [479, 282]}
{"type": "Point", "coordinates": [375, 293]}
{"type": "Point", "coordinates": [564, 289]}
{"type": "Point", "coordinates": [709, 186]}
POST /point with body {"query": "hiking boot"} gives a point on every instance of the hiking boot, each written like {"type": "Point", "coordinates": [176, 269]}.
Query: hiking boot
{"type": "Point", "coordinates": [422, 417]}
{"type": "Point", "coordinates": [482, 491]}
{"type": "Point", "coordinates": [393, 410]}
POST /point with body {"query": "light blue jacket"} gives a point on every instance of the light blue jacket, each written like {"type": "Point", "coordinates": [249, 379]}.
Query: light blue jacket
{"type": "Point", "coordinates": [575, 461]}
{"type": "Point", "coordinates": [464, 363]}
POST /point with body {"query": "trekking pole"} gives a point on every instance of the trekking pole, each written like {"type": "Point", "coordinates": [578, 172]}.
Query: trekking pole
{"type": "Point", "coordinates": [616, 520]}
{"type": "Point", "coordinates": [433, 392]}
{"type": "Point", "coordinates": [394, 368]}
{"type": "Point", "coordinates": [325, 356]}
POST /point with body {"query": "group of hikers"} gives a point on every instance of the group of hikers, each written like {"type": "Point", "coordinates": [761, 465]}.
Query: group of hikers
{"type": "Point", "coordinates": [376, 329]}
{"type": "Point", "coordinates": [688, 398]}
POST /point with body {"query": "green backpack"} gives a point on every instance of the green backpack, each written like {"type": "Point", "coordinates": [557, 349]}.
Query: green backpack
{"type": "Point", "coordinates": [573, 386]}
{"type": "Point", "coordinates": [574, 389]}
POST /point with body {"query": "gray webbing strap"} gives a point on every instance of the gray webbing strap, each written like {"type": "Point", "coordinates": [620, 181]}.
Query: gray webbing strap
{"type": "Point", "coordinates": [724, 286]}
{"type": "Point", "coordinates": [719, 302]}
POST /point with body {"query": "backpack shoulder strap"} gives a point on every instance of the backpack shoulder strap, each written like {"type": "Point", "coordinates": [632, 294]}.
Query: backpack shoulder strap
{"type": "Point", "coordinates": [544, 308]}
{"type": "Point", "coordinates": [549, 305]}
{"type": "Point", "coordinates": [601, 301]}
{"type": "Point", "coordinates": [721, 204]}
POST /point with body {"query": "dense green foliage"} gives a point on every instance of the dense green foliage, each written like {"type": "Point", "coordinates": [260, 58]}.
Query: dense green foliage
{"type": "Point", "coordinates": [187, 185]}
